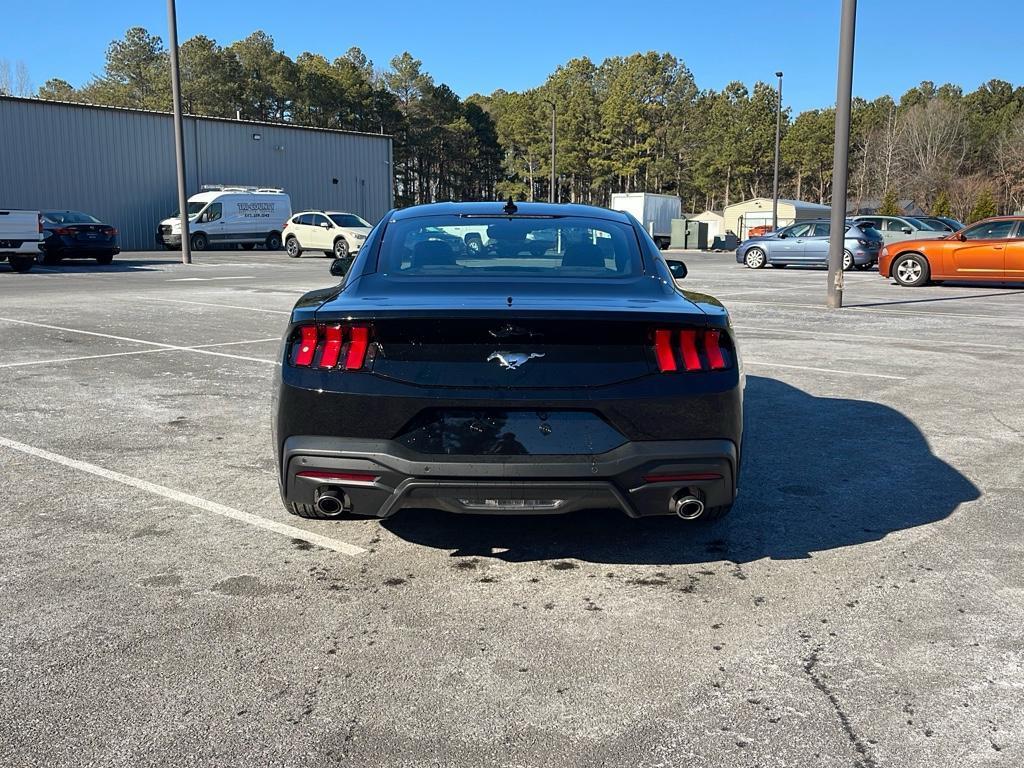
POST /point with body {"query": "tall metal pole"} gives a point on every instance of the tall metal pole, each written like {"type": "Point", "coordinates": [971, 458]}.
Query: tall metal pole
{"type": "Point", "coordinates": [778, 137]}
{"type": "Point", "coordinates": [841, 158]}
{"type": "Point", "coordinates": [179, 132]}
{"type": "Point", "coordinates": [552, 196]}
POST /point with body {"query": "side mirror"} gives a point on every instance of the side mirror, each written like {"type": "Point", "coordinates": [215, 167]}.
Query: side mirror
{"type": "Point", "coordinates": [339, 267]}
{"type": "Point", "coordinates": [325, 224]}
{"type": "Point", "coordinates": [677, 268]}
{"type": "Point", "coordinates": [963, 237]}
{"type": "Point", "coordinates": [782, 235]}
{"type": "Point", "coordinates": [907, 231]}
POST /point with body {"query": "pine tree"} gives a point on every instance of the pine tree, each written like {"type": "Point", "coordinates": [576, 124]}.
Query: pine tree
{"type": "Point", "coordinates": [942, 206]}
{"type": "Point", "coordinates": [890, 204]}
{"type": "Point", "coordinates": [984, 206]}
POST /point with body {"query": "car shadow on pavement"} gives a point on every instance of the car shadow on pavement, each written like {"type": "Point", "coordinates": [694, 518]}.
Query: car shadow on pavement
{"type": "Point", "coordinates": [75, 266]}
{"type": "Point", "coordinates": [818, 473]}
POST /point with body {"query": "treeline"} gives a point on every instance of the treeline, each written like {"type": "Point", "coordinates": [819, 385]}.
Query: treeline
{"type": "Point", "coordinates": [634, 123]}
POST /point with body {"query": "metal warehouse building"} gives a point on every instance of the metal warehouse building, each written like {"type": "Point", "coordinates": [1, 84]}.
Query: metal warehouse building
{"type": "Point", "coordinates": [118, 164]}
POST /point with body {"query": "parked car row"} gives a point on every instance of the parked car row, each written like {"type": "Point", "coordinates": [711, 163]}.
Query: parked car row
{"type": "Point", "coordinates": [46, 237]}
{"type": "Point", "coordinates": [806, 243]}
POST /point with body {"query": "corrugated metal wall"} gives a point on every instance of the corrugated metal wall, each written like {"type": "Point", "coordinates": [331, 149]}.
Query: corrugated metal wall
{"type": "Point", "coordinates": [118, 164]}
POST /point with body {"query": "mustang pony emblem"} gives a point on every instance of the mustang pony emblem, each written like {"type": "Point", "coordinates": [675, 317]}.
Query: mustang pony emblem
{"type": "Point", "coordinates": [512, 360]}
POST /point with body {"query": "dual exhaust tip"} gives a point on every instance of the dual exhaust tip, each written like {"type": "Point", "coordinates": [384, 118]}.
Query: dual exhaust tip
{"type": "Point", "coordinates": [687, 505]}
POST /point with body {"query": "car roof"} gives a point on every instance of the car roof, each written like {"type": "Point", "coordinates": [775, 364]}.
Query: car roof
{"type": "Point", "coordinates": [498, 209]}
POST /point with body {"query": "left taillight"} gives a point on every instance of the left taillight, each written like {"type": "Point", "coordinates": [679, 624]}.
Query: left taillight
{"type": "Point", "coordinates": [690, 349]}
{"type": "Point", "coordinates": [329, 347]}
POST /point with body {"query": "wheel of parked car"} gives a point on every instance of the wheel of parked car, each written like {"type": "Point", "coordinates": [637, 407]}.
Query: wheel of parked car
{"type": "Point", "coordinates": [105, 258]}
{"type": "Point", "coordinates": [292, 248]}
{"type": "Point", "coordinates": [911, 270]}
{"type": "Point", "coordinates": [340, 248]}
{"type": "Point", "coordinates": [49, 259]}
{"type": "Point", "coordinates": [848, 262]}
{"type": "Point", "coordinates": [273, 242]}
{"type": "Point", "coordinates": [21, 263]}
{"type": "Point", "coordinates": [199, 242]}
{"type": "Point", "coordinates": [755, 258]}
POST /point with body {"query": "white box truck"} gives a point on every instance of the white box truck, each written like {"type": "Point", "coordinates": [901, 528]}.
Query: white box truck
{"type": "Point", "coordinates": [224, 215]}
{"type": "Point", "coordinates": [655, 212]}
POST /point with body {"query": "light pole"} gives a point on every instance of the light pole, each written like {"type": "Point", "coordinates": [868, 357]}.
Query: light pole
{"type": "Point", "coordinates": [552, 196]}
{"type": "Point", "coordinates": [841, 157]}
{"type": "Point", "coordinates": [179, 132]}
{"type": "Point", "coordinates": [778, 137]}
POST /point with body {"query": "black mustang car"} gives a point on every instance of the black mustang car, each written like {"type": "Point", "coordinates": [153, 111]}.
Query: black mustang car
{"type": "Point", "coordinates": [460, 367]}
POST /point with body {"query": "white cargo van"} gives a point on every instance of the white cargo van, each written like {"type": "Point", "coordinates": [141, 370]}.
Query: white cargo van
{"type": "Point", "coordinates": [222, 215]}
{"type": "Point", "coordinates": [654, 212]}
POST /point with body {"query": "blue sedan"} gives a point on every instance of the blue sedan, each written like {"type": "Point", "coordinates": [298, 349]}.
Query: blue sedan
{"type": "Point", "coordinates": [806, 244]}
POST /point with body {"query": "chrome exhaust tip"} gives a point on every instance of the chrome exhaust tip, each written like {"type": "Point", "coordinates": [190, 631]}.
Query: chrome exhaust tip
{"type": "Point", "coordinates": [688, 507]}
{"type": "Point", "coordinates": [330, 502]}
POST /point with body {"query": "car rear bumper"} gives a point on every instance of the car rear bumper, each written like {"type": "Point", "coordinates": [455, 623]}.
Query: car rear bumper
{"type": "Point", "coordinates": [380, 477]}
{"type": "Point", "coordinates": [70, 248]}
{"type": "Point", "coordinates": [19, 247]}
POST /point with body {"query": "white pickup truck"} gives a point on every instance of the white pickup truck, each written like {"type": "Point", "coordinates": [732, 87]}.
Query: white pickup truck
{"type": "Point", "coordinates": [21, 233]}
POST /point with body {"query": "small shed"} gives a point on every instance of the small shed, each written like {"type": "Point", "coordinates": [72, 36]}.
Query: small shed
{"type": "Point", "coordinates": [715, 222]}
{"type": "Point", "coordinates": [742, 217]}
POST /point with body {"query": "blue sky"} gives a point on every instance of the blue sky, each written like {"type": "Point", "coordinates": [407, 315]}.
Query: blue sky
{"type": "Point", "coordinates": [482, 45]}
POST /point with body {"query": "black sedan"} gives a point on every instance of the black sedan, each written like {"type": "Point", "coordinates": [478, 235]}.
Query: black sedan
{"type": "Point", "coordinates": [77, 235]}
{"type": "Point", "coordinates": [493, 380]}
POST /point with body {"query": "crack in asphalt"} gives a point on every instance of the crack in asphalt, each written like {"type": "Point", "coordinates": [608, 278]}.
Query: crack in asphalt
{"type": "Point", "coordinates": [865, 760]}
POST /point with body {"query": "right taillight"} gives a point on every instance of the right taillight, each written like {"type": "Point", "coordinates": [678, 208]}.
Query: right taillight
{"type": "Point", "coordinates": [332, 346]}
{"type": "Point", "coordinates": [691, 350]}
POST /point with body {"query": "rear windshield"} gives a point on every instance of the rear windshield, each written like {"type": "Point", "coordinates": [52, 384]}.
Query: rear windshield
{"type": "Point", "coordinates": [69, 217]}
{"type": "Point", "coordinates": [456, 246]}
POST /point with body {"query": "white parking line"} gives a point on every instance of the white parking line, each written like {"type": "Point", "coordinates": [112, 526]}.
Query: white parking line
{"type": "Point", "coordinates": [943, 343]}
{"type": "Point", "coordinates": [767, 364]}
{"type": "Point", "coordinates": [186, 498]}
{"type": "Point", "coordinates": [140, 341]}
{"type": "Point", "coordinates": [222, 306]}
{"type": "Point", "coordinates": [877, 311]}
{"type": "Point", "coordinates": [133, 352]}
{"type": "Point", "coordinates": [208, 279]}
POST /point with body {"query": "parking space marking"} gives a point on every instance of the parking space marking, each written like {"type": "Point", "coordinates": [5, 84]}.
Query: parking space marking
{"type": "Point", "coordinates": [943, 343]}
{"type": "Point", "coordinates": [197, 349]}
{"type": "Point", "coordinates": [855, 308]}
{"type": "Point", "coordinates": [768, 364]}
{"type": "Point", "coordinates": [213, 507]}
{"type": "Point", "coordinates": [208, 279]}
{"type": "Point", "coordinates": [133, 352]}
{"type": "Point", "coordinates": [221, 306]}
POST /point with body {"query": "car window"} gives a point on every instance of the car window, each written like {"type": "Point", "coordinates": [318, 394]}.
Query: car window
{"type": "Point", "coordinates": [894, 225]}
{"type": "Point", "coordinates": [318, 219]}
{"type": "Point", "coordinates": [798, 230]}
{"type": "Point", "coordinates": [306, 220]}
{"type": "Point", "coordinates": [821, 229]}
{"type": "Point", "coordinates": [484, 246]}
{"type": "Point", "coordinates": [348, 220]}
{"type": "Point", "coordinates": [296, 219]}
{"type": "Point", "coordinates": [214, 211]}
{"type": "Point", "coordinates": [873, 223]}
{"type": "Point", "coordinates": [1019, 234]}
{"type": "Point", "coordinates": [989, 230]}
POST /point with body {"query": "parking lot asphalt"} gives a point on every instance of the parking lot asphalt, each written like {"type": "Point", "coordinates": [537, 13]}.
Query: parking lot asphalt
{"type": "Point", "coordinates": [861, 606]}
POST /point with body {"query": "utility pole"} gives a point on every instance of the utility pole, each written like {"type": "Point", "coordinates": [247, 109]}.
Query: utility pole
{"type": "Point", "coordinates": [778, 137]}
{"type": "Point", "coordinates": [552, 196]}
{"type": "Point", "coordinates": [179, 132]}
{"type": "Point", "coordinates": [841, 158]}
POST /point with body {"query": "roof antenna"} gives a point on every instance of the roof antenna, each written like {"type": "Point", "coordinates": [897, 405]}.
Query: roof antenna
{"type": "Point", "coordinates": [510, 206]}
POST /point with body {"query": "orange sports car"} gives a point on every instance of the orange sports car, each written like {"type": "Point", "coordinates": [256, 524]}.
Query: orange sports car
{"type": "Point", "coordinates": [991, 250]}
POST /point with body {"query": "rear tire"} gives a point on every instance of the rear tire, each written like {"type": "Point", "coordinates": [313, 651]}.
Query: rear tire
{"type": "Point", "coordinates": [292, 248]}
{"type": "Point", "coordinates": [21, 263]}
{"type": "Point", "coordinates": [47, 259]}
{"type": "Point", "coordinates": [911, 270]}
{"type": "Point", "coordinates": [848, 262]}
{"type": "Point", "coordinates": [105, 259]}
{"type": "Point", "coordinates": [199, 242]}
{"type": "Point", "coordinates": [273, 241]}
{"type": "Point", "coordinates": [755, 258]}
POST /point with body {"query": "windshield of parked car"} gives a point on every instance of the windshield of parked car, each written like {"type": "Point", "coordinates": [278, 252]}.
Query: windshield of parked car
{"type": "Point", "coordinates": [455, 246]}
{"type": "Point", "coordinates": [934, 225]}
{"type": "Point", "coordinates": [916, 223]}
{"type": "Point", "coordinates": [69, 217]}
{"type": "Point", "coordinates": [348, 220]}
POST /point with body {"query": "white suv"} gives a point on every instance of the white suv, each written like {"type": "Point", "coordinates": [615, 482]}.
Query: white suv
{"type": "Point", "coordinates": [335, 233]}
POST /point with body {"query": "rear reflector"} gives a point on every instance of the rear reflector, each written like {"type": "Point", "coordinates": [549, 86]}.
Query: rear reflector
{"type": "Point", "coordinates": [682, 478]}
{"type": "Point", "coordinates": [690, 350]}
{"type": "Point", "coordinates": [351, 478]}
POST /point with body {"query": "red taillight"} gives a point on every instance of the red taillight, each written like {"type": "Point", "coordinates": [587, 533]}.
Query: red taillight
{"type": "Point", "coordinates": [663, 351]}
{"type": "Point", "coordinates": [286, 223]}
{"type": "Point", "coordinates": [326, 346]}
{"type": "Point", "coordinates": [713, 349]}
{"type": "Point", "coordinates": [332, 346]}
{"type": "Point", "coordinates": [357, 348]}
{"type": "Point", "coordinates": [63, 231]}
{"type": "Point", "coordinates": [351, 478]}
{"type": "Point", "coordinates": [109, 231]}
{"type": "Point", "coordinates": [686, 345]}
